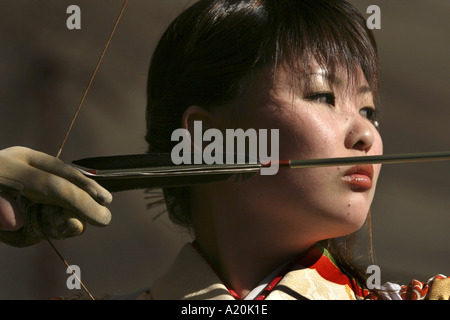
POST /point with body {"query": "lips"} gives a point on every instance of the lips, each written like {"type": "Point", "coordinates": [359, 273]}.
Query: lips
{"type": "Point", "coordinates": [359, 177]}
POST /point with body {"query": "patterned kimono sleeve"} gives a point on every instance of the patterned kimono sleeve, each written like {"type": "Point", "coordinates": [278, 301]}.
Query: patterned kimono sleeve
{"type": "Point", "coordinates": [436, 288]}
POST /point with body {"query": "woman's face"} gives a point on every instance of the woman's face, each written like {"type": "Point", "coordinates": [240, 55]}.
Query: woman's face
{"type": "Point", "coordinates": [332, 119]}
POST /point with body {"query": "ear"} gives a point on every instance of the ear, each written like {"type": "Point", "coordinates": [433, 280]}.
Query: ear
{"type": "Point", "coordinates": [196, 113]}
{"type": "Point", "coordinates": [192, 114]}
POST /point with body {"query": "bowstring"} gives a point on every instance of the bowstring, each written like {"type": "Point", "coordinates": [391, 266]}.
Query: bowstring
{"type": "Point", "coordinates": [69, 267]}
{"type": "Point", "coordinates": [94, 73]}
{"type": "Point", "coordinates": [80, 105]}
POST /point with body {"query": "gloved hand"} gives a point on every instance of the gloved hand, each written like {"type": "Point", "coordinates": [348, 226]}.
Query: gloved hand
{"type": "Point", "coordinates": [41, 195]}
{"type": "Point", "coordinates": [440, 289]}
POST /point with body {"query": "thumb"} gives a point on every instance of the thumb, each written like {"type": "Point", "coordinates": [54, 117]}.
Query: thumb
{"type": "Point", "coordinates": [11, 217]}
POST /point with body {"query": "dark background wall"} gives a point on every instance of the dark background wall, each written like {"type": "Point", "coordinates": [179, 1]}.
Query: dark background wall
{"type": "Point", "coordinates": [44, 69]}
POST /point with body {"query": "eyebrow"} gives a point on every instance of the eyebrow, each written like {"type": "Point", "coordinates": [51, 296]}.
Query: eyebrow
{"type": "Point", "coordinates": [364, 89]}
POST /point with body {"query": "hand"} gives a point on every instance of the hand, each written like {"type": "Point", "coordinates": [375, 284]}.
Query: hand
{"type": "Point", "coordinates": [40, 195]}
{"type": "Point", "coordinates": [440, 289]}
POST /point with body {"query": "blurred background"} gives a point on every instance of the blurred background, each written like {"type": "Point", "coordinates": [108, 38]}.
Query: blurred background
{"type": "Point", "coordinates": [45, 68]}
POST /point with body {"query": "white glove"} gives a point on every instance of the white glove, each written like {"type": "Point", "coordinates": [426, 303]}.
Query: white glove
{"type": "Point", "coordinates": [42, 195]}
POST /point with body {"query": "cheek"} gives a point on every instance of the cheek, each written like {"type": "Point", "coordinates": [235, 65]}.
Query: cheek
{"type": "Point", "coordinates": [305, 131]}
{"type": "Point", "coordinates": [307, 137]}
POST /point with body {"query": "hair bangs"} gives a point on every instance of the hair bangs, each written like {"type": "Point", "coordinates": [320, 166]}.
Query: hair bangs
{"type": "Point", "coordinates": [322, 35]}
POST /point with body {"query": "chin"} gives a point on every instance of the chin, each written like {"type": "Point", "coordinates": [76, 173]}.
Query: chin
{"type": "Point", "coordinates": [353, 223]}
{"type": "Point", "coordinates": [344, 223]}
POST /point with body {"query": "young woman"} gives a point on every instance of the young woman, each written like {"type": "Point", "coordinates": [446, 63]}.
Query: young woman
{"type": "Point", "coordinates": [307, 68]}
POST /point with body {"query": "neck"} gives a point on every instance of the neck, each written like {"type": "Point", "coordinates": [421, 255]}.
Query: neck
{"type": "Point", "coordinates": [240, 270]}
{"type": "Point", "coordinates": [242, 252]}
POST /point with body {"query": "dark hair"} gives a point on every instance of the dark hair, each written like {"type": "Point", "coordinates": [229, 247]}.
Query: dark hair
{"type": "Point", "coordinates": [211, 52]}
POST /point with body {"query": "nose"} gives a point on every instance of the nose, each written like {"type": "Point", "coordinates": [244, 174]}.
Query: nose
{"type": "Point", "coordinates": [360, 134]}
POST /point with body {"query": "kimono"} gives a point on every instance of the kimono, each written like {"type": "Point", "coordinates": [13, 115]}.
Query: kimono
{"type": "Point", "coordinates": [313, 276]}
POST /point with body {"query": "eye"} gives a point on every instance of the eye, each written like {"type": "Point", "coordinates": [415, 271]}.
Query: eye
{"type": "Point", "coordinates": [372, 115]}
{"type": "Point", "coordinates": [322, 97]}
